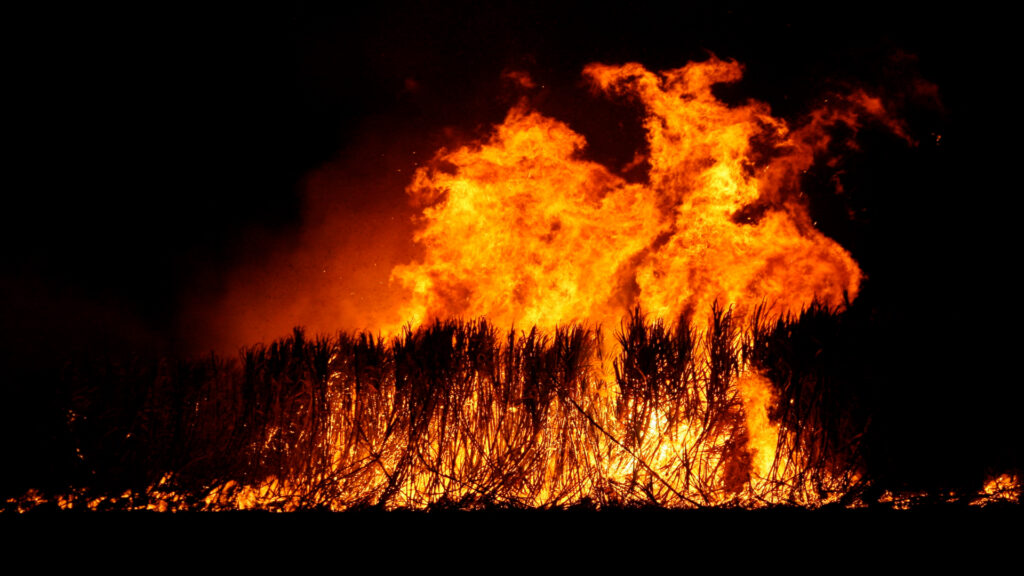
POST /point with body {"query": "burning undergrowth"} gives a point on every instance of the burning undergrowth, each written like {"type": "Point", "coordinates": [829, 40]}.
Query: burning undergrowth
{"type": "Point", "coordinates": [462, 415]}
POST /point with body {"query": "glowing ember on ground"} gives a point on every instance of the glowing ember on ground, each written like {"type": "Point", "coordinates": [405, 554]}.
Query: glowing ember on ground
{"type": "Point", "coordinates": [1002, 488]}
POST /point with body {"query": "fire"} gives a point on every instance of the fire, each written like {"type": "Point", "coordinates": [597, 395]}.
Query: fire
{"type": "Point", "coordinates": [1002, 488]}
{"type": "Point", "coordinates": [521, 229]}
{"type": "Point", "coordinates": [524, 231]}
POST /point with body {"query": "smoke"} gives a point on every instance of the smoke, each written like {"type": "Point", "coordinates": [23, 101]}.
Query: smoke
{"type": "Point", "coordinates": [326, 274]}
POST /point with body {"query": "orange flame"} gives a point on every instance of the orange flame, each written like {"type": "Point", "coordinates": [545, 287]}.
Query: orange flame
{"type": "Point", "coordinates": [521, 229]}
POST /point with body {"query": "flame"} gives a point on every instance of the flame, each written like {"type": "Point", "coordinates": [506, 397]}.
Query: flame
{"type": "Point", "coordinates": [762, 434]}
{"type": "Point", "coordinates": [522, 229]}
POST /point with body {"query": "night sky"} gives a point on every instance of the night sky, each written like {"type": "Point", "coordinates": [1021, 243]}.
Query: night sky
{"type": "Point", "coordinates": [165, 153]}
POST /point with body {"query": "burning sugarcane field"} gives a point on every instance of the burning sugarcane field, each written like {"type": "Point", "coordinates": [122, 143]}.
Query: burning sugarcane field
{"type": "Point", "coordinates": [519, 258]}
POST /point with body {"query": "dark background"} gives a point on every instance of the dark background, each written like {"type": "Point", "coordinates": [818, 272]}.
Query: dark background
{"type": "Point", "coordinates": [155, 148]}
